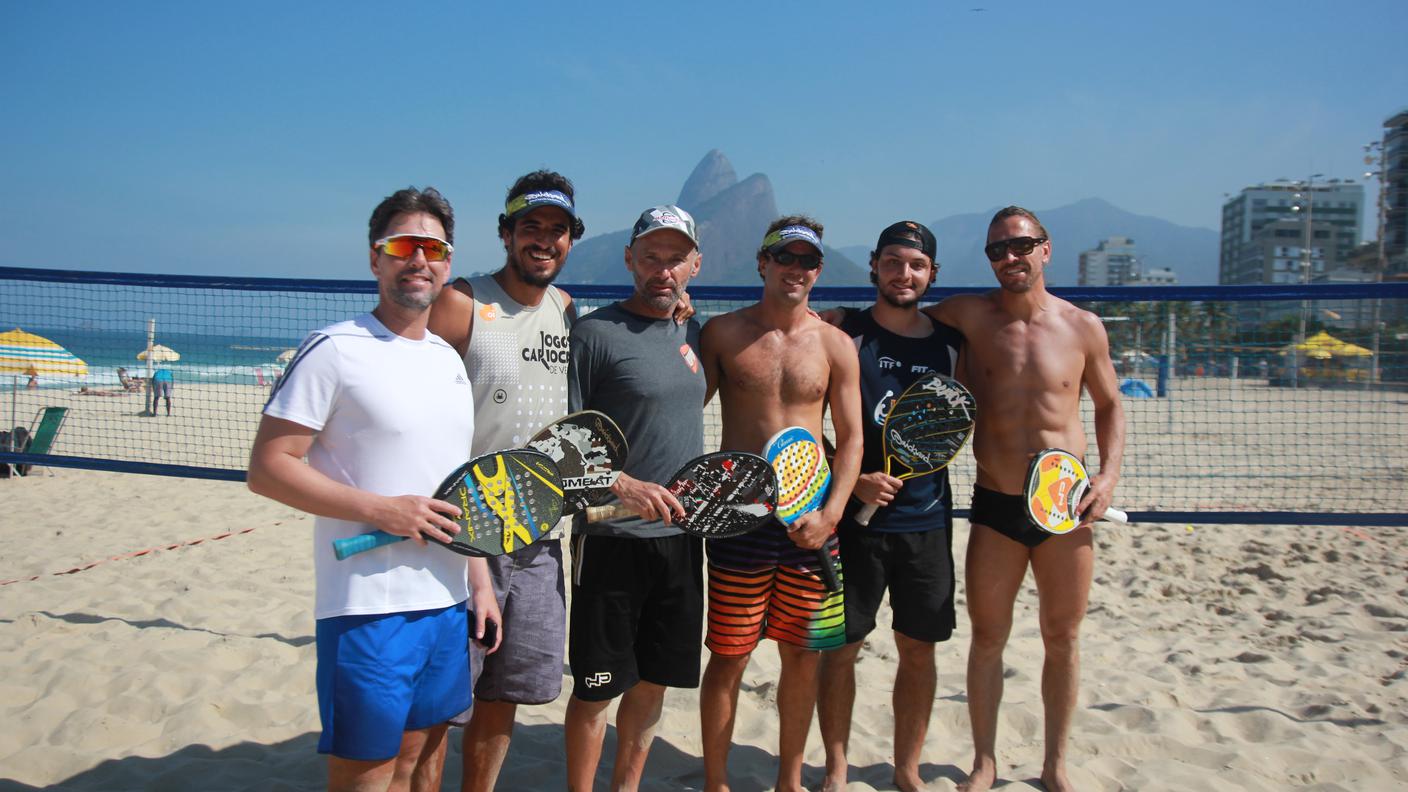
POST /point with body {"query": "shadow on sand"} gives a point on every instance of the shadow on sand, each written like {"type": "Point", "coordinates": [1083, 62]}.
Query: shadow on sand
{"type": "Point", "coordinates": [536, 761]}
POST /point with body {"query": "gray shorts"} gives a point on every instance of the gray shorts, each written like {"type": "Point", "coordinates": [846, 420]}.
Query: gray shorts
{"type": "Point", "coordinates": [527, 669]}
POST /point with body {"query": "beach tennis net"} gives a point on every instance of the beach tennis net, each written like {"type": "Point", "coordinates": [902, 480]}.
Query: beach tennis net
{"type": "Point", "coordinates": [1242, 404]}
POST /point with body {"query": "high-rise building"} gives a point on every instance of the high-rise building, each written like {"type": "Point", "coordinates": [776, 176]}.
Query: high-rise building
{"type": "Point", "coordinates": [1395, 186]}
{"type": "Point", "coordinates": [1155, 276]}
{"type": "Point", "coordinates": [1264, 230]}
{"type": "Point", "coordinates": [1113, 262]}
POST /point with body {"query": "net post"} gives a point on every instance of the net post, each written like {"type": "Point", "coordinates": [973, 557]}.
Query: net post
{"type": "Point", "coordinates": [1172, 351]}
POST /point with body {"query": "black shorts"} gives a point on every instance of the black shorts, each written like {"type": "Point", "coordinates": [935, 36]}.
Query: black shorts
{"type": "Point", "coordinates": [1006, 514]}
{"type": "Point", "coordinates": [916, 566]}
{"type": "Point", "coordinates": [637, 613]}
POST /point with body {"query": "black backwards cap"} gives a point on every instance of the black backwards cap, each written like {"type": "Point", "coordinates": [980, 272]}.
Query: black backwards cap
{"type": "Point", "coordinates": [911, 235]}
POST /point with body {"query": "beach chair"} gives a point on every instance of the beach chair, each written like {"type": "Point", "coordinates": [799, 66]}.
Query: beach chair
{"type": "Point", "coordinates": [39, 440]}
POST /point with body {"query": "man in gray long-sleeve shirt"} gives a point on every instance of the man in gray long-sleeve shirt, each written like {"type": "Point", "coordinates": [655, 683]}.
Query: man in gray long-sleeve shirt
{"type": "Point", "coordinates": [637, 583]}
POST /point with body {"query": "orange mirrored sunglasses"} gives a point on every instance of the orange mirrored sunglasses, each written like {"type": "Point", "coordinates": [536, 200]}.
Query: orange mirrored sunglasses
{"type": "Point", "coordinates": [405, 246]}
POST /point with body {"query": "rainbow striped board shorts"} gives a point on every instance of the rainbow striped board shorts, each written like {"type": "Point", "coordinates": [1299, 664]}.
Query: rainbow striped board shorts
{"type": "Point", "coordinates": [762, 584]}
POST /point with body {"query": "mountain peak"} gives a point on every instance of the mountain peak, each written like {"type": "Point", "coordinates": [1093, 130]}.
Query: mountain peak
{"type": "Point", "coordinates": [711, 176]}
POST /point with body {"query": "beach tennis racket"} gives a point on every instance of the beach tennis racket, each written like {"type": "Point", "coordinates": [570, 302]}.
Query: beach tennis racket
{"type": "Point", "coordinates": [1056, 481]}
{"type": "Point", "coordinates": [803, 479]}
{"type": "Point", "coordinates": [589, 451]}
{"type": "Point", "coordinates": [924, 430]}
{"type": "Point", "coordinates": [507, 500]}
{"type": "Point", "coordinates": [723, 494]}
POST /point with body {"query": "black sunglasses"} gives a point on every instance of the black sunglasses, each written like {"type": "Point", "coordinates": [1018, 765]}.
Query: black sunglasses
{"type": "Point", "coordinates": [807, 261]}
{"type": "Point", "coordinates": [1020, 246]}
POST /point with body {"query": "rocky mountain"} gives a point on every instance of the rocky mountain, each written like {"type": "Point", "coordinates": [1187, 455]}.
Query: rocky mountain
{"type": "Point", "coordinates": [731, 216]}
{"type": "Point", "coordinates": [1074, 228]}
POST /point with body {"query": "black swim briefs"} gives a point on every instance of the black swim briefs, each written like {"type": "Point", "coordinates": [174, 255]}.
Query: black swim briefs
{"type": "Point", "coordinates": [1007, 515]}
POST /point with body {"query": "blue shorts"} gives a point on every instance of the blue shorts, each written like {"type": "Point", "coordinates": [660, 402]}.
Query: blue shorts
{"type": "Point", "coordinates": [389, 673]}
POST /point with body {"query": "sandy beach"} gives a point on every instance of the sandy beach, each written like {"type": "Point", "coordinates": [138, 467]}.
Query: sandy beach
{"type": "Point", "coordinates": [1214, 657]}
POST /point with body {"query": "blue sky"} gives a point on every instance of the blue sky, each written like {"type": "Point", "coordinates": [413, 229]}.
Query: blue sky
{"type": "Point", "coordinates": [254, 138]}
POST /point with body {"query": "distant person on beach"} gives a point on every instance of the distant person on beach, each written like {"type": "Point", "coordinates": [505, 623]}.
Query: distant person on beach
{"type": "Point", "coordinates": [33, 382]}
{"type": "Point", "coordinates": [907, 547]}
{"type": "Point", "coordinates": [1029, 355]}
{"type": "Point", "coordinates": [638, 582]}
{"type": "Point", "coordinates": [162, 382]}
{"type": "Point", "coordinates": [129, 383]}
{"type": "Point", "coordinates": [378, 405]}
{"type": "Point", "coordinates": [774, 364]}
{"type": "Point", "coordinates": [510, 329]}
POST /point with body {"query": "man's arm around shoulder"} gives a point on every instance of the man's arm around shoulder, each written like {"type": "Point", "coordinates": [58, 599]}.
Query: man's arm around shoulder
{"type": "Point", "coordinates": [713, 343]}
{"type": "Point", "coordinates": [452, 315]}
{"type": "Point", "coordinates": [956, 310]}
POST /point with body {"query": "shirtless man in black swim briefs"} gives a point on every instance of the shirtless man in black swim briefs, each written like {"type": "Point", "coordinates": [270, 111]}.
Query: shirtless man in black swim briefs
{"type": "Point", "coordinates": [1028, 357]}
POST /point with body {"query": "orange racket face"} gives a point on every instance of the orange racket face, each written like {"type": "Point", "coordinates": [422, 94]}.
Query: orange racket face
{"type": "Point", "coordinates": [1056, 482]}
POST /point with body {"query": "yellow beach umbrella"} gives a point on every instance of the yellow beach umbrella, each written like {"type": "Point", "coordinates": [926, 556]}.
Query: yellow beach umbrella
{"type": "Point", "coordinates": [26, 353]}
{"type": "Point", "coordinates": [287, 355]}
{"type": "Point", "coordinates": [159, 354]}
{"type": "Point", "coordinates": [1322, 345]}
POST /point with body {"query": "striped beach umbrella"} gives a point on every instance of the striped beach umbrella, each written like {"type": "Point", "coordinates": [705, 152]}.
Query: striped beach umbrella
{"type": "Point", "coordinates": [27, 353]}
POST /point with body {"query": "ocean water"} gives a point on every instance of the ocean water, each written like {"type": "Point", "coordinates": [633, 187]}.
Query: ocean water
{"type": "Point", "coordinates": [242, 360]}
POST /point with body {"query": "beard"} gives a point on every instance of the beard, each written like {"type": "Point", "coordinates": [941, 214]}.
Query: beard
{"type": "Point", "coordinates": [663, 302]}
{"type": "Point", "coordinates": [531, 278]}
{"type": "Point", "coordinates": [418, 301]}
{"type": "Point", "coordinates": [903, 302]}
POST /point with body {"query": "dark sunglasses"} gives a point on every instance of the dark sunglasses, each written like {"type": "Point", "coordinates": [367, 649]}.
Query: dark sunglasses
{"type": "Point", "coordinates": [1020, 246]}
{"type": "Point", "coordinates": [807, 261]}
{"type": "Point", "coordinates": [406, 245]}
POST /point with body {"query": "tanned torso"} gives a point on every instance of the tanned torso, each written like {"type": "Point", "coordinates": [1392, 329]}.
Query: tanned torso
{"type": "Point", "coordinates": [770, 378]}
{"type": "Point", "coordinates": [1026, 374]}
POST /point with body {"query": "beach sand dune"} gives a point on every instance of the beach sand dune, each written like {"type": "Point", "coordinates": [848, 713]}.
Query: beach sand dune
{"type": "Point", "coordinates": [1219, 657]}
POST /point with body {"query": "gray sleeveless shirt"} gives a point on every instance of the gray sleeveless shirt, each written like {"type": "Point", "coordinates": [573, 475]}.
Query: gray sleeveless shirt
{"type": "Point", "coordinates": [517, 365]}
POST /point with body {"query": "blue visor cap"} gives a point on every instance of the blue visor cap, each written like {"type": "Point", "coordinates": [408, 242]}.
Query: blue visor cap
{"type": "Point", "coordinates": [786, 235]}
{"type": "Point", "coordinates": [529, 201]}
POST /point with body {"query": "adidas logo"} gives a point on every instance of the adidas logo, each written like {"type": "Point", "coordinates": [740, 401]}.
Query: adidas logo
{"type": "Point", "coordinates": [460, 380]}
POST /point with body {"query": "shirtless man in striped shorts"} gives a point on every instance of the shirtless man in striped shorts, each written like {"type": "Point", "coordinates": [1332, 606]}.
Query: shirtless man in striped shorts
{"type": "Point", "coordinates": [766, 583]}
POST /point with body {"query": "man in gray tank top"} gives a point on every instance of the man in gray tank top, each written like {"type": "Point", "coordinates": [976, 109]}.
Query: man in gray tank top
{"type": "Point", "coordinates": [511, 328]}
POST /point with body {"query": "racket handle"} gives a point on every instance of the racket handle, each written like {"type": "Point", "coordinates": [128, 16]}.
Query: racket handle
{"type": "Point", "coordinates": [349, 546]}
{"type": "Point", "coordinates": [828, 570]}
{"type": "Point", "coordinates": [865, 512]}
{"type": "Point", "coordinates": [1115, 515]}
{"type": "Point", "coordinates": [612, 512]}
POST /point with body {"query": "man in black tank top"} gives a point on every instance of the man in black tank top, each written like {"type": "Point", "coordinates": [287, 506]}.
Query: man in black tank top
{"type": "Point", "coordinates": [907, 547]}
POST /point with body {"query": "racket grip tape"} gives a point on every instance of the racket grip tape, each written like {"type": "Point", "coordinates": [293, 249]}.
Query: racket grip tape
{"type": "Point", "coordinates": [349, 546]}
{"type": "Point", "coordinates": [611, 512]}
{"type": "Point", "coordinates": [864, 513]}
{"type": "Point", "coordinates": [828, 570]}
{"type": "Point", "coordinates": [1115, 515]}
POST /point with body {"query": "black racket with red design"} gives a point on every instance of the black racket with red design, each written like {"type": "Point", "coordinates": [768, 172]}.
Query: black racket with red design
{"type": "Point", "coordinates": [728, 493]}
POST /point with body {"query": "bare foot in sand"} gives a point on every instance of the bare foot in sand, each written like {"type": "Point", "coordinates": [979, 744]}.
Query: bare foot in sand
{"type": "Point", "coordinates": [832, 784]}
{"type": "Point", "coordinates": [908, 781]}
{"type": "Point", "coordinates": [980, 778]}
{"type": "Point", "coordinates": [1054, 779]}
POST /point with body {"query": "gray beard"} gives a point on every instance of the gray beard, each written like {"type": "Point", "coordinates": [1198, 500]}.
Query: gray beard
{"type": "Point", "coordinates": [663, 303]}
{"type": "Point", "coordinates": [417, 302]}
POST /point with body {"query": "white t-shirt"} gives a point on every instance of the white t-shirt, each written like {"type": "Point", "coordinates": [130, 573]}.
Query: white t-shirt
{"type": "Point", "coordinates": [393, 416]}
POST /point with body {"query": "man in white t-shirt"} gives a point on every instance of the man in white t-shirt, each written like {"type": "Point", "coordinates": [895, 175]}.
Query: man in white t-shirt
{"type": "Point", "coordinates": [376, 404]}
